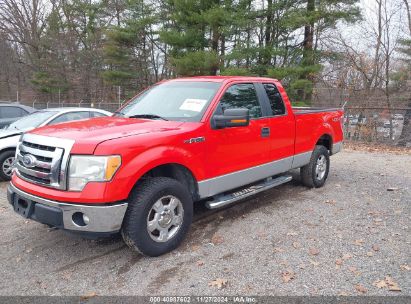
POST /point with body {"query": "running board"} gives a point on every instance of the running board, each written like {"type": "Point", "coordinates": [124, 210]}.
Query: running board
{"type": "Point", "coordinates": [227, 199]}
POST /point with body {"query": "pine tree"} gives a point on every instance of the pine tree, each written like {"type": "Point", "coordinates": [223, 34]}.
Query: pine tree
{"type": "Point", "coordinates": [195, 34]}
{"type": "Point", "coordinates": [50, 77]}
{"type": "Point", "coordinates": [126, 51]}
{"type": "Point", "coordinates": [319, 16]}
{"type": "Point", "coordinates": [279, 51]}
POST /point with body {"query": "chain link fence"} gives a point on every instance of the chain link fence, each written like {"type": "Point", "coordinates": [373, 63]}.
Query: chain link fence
{"type": "Point", "coordinates": [367, 124]}
{"type": "Point", "coordinates": [378, 125]}
{"type": "Point", "coordinates": [361, 124]}
{"type": "Point", "coordinates": [108, 106]}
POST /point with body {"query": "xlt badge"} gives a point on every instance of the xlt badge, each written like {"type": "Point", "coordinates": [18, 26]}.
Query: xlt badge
{"type": "Point", "coordinates": [194, 140]}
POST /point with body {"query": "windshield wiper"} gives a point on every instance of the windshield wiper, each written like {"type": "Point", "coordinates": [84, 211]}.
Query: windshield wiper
{"type": "Point", "coordinates": [149, 116]}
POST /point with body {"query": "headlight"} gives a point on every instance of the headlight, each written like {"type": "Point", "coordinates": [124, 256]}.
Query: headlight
{"type": "Point", "coordinates": [88, 168]}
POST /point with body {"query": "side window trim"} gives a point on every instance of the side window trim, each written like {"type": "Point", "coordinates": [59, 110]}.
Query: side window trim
{"type": "Point", "coordinates": [268, 101]}
{"type": "Point", "coordinates": [264, 101]}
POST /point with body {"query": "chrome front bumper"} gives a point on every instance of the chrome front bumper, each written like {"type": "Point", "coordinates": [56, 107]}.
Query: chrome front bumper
{"type": "Point", "coordinates": [102, 218]}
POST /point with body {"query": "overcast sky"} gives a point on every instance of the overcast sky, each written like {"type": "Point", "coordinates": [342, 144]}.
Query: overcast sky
{"type": "Point", "coordinates": [362, 34]}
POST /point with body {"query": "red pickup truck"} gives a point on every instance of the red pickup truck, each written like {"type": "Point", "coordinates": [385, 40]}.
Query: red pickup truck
{"type": "Point", "coordinates": [211, 139]}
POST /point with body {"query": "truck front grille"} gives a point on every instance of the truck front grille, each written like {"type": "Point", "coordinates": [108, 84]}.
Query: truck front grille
{"type": "Point", "coordinates": [39, 147]}
{"type": "Point", "coordinates": [40, 162]}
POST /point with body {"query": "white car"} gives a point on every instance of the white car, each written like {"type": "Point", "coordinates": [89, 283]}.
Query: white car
{"type": "Point", "coordinates": [9, 137]}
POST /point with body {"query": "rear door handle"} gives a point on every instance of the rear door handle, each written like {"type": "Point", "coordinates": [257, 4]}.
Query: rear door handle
{"type": "Point", "coordinates": [265, 132]}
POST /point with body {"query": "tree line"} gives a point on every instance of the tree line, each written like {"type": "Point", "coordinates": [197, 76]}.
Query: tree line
{"type": "Point", "coordinates": [95, 50]}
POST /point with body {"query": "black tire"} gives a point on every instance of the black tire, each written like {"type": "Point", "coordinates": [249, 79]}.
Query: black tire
{"type": "Point", "coordinates": [135, 224]}
{"type": "Point", "coordinates": [5, 157]}
{"type": "Point", "coordinates": [309, 176]}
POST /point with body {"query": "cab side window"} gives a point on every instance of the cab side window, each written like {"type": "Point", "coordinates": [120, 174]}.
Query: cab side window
{"type": "Point", "coordinates": [274, 96]}
{"type": "Point", "coordinates": [97, 114]}
{"type": "Point", "coordinates": [71, 116]}
{"type": "Point", "coordinates": [241, 95]}
{"type": "Point", "coordinates": [11, 112]}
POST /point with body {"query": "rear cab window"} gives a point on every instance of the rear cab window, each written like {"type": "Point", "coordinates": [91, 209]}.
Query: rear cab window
{"type": "Point", "coordinates": [275, 99]}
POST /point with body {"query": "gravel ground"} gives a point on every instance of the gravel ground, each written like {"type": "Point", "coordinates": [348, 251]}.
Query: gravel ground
{"type": "Point", "coordinates": [337, 240]}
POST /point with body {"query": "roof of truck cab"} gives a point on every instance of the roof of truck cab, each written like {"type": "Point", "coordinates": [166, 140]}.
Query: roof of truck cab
{"type": "Point", "coordinates": [222, 78]}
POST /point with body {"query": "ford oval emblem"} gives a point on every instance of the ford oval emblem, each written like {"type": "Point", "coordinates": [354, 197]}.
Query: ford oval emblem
{"type": "Point", "coordinates": [29, 161]}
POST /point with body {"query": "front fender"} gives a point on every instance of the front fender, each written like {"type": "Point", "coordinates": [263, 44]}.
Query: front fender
{"type": "Point", "coordinates": [9, 142]}
{"type": "Point", "coordinates": [135, 163]}
{"type": "Point", "coordinates": [136, 167]}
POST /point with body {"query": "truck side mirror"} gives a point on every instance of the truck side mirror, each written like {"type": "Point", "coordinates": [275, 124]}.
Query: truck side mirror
{"type": "Point", "coordinates": [232, 118]}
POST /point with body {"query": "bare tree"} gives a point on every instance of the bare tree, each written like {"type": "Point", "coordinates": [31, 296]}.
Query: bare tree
{"type": "Point", "coordinates": [23, 21]}
{"type": "Point", "coordinates": [408, 12]}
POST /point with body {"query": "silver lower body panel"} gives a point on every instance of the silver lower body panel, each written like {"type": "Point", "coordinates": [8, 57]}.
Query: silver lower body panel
{"type": "Point", "coordinates": [223, 183]}
{"type": "Point", "coordinates": [102, 218]}
{"type": "Point", "coordinates": [337, 147]}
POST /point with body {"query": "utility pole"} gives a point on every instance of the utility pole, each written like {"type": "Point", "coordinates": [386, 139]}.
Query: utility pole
{"type": "Point", "coordinates": [17, 95]}
{"type": "Point", "coordinates": [59, 96]}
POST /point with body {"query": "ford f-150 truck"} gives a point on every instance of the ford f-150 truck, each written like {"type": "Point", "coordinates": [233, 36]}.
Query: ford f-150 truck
{"type": "Point", "coordinates": [212, 139]}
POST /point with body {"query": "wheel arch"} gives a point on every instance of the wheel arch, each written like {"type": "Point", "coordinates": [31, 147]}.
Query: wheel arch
{"type": "Point", "coordinates": [8, 149]}
{"type": "Point", "coordinates": [175, 171]}
{"type": "Point", "coordinates": [5, 176]}
{"type": "Point", "coordinates": [325, 140]}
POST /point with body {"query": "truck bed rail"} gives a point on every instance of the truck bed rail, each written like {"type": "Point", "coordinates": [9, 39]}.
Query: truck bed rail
{"type": "Point", "coordinates": [309, 110]}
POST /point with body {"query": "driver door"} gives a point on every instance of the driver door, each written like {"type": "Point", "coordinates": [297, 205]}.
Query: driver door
{"type": "Point", "coordinates": [233, 149]}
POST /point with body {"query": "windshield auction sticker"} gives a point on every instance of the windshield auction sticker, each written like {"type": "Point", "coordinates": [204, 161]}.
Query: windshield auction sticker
{"type": "Point", "coordinates": [192, 104]}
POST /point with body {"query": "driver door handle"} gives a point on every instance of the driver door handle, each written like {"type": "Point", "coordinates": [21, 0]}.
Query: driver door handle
{"type": "Point", "coordinates": [265, 132]}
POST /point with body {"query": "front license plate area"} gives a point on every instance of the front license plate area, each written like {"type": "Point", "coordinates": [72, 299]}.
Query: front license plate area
{"type": "Point", "coordinates": [23, 206]}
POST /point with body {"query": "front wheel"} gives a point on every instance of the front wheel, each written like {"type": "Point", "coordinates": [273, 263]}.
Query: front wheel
{"type": "Point", "coordinates": [158, 217]}
{"type": "Point", "coordinates": [6, 163]}
{"type": "Point", "coordinates": [315, 173]}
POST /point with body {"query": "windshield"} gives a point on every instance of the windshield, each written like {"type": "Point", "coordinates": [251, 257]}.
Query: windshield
{"type": "Point", "coordinates": [178, 100]}
{"type": "Point", "coordinates": [31, 121]}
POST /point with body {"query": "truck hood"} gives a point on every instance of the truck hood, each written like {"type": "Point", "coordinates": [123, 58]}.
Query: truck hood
{"type": "Point", "coordinates": [87, 134]}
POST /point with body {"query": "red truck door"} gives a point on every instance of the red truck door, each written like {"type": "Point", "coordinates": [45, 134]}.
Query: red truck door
{"type": "Point", "coordinates": [237, 148]}
{"type": "Point", "coordinates": [282, 126]}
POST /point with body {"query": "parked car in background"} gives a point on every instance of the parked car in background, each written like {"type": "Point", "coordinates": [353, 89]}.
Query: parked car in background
{"type": "Point", "coordinates": [9, 137]}
{"type": "Point", "coordinates": [10, 112]}
{"type": "Point", "coordinates": [398, 116]}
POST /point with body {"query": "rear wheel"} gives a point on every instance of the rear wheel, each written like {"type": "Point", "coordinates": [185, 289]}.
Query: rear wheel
{"type": "Point", "coordinates": [158, 216]}
{"type": "Point", "coordinates": [315, 173]}
{"type": "Point", "coordinates": [6, 163]}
